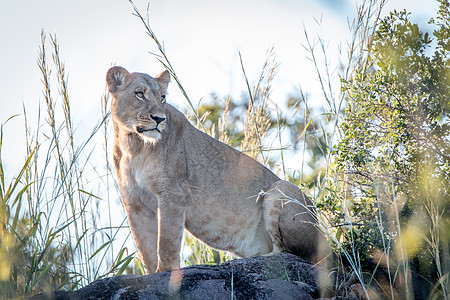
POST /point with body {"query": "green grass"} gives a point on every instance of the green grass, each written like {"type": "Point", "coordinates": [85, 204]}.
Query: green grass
{"type": "Point", "coordinates": [53, 235]}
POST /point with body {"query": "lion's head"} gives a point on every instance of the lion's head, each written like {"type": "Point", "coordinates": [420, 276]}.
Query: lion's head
{"type": "Point", "coordinates": [139, 101]}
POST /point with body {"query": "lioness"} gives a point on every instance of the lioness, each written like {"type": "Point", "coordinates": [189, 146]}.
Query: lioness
{"type": "Point", "coordinates": [173, 177]}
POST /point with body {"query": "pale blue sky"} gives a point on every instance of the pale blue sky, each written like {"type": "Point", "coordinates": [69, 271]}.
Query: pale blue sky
{"type": "Point", "coordinates": [202, 39]}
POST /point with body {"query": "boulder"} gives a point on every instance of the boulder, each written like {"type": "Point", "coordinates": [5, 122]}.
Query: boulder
{"type": "Point", "coordinates": [281, 276]}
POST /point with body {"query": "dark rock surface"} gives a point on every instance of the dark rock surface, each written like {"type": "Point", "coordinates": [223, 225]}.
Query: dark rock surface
{"type": "Point", "coordinates": [282, 276]}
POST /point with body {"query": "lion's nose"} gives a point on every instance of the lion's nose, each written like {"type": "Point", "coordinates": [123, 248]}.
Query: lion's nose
{"type": "Point", "coordinates": [157, 119]}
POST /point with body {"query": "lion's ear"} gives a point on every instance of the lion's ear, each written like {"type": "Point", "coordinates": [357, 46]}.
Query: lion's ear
{"type": "Point", "coordinates": [117, 78]}
{"type": "Point", "coordinates": [163, 80]}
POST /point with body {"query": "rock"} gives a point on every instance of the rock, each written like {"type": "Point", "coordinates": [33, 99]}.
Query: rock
{"type": "Point", "coordinates": [281, 276]}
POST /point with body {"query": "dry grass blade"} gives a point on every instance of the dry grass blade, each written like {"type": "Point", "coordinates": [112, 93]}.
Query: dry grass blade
{"type": "Point", "coordinates": [164, 59]}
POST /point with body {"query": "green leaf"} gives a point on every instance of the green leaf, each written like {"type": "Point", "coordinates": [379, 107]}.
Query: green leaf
{"type": "Point", "coordinates": [125, 264]}
{"type": "Point", "coordinates": [12, 186]}
{"type": "Point", "coordinates": [99, 249]}
{"type": "Point", "coordinates": [89, 194]}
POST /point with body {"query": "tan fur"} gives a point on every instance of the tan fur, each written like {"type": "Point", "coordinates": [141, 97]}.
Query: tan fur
{"type": "Point", "coordinates": [176, 177]}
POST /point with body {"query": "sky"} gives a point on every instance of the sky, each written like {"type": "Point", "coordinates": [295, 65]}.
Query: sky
{"type": "Point", "coordinates": [202, 38]}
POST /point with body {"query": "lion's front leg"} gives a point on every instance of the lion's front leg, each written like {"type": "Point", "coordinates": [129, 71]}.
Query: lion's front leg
{"type": "Point", "coordinates": [144, 226]}
{"type": "Point", "coordinates": [171, 223]}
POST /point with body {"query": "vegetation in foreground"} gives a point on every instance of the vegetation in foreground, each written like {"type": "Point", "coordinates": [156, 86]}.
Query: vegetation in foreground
{"type": "Point", "coordinates": [378, 158]}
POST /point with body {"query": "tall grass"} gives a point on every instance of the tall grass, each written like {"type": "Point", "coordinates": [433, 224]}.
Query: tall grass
{"type": "Point", "coordinates": [53, 230]}
{"type": "Point", "coordinates": [339, 186]}
{"type": "Point", "coordinates": [400, 238]}
{"type": "Point", "coordinates": [353, 56]}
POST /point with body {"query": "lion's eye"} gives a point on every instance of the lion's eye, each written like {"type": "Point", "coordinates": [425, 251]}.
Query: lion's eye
{"type": "Point", "coordinates": [163, 98]}
{"type": "Point", "coordinates": [139, 95]}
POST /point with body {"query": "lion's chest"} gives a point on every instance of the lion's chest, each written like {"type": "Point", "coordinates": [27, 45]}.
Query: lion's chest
{"type": "Point", "coordinates": [143, 172]}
